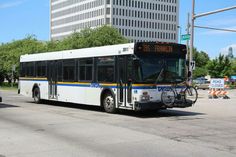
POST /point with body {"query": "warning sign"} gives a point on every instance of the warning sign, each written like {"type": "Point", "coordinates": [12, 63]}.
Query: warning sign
{"type": "Point", "coordinates": [217, 83]}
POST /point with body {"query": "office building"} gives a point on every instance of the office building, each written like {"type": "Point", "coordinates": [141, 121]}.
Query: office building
{"type": "Point", "coordinates": [229, 51]}
{"type": "Point", "coordinates": [137, 20]}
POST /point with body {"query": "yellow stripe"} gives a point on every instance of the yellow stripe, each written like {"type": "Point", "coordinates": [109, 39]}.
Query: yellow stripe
{"type": "Point", "coordinates": [108, 84]}
{"type": "Point", "coordinates": [83, 83]}
{"type": "Point", "coordinates": [138, 85]}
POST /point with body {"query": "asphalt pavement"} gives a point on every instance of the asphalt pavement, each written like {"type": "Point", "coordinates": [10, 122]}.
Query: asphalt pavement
{"type": "Point", "coordinates": [71, 130]}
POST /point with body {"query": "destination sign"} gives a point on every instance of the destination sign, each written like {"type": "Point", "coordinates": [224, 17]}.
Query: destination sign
{"type": "Point", "coordinates": [155, 48]}
{"type": "Point", "coordinates": [159, 48]}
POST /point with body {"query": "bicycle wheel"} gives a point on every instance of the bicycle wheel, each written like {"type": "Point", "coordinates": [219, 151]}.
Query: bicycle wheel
{"type": "Point", "coordinates": [168, 97]}
{"type": "Point", "coordinates": [190, 95]}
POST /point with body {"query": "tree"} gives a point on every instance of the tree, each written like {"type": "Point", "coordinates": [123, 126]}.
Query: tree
{"type": "Point", "coordinates": [234, 66]}
{"type": "Point", "coordinates": [201, 59]}
{"type": "Point", "coordinates": [10, 54]}
{"type": "Point", "coordinates": [220, 67]}
{"type": "Point", "coordinates": [101, 36]}
{"type": "Point", "coordinates": [200, 72]}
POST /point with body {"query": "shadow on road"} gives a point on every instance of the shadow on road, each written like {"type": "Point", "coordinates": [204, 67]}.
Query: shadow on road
{"type": "Point", "coordinates": [161, 113]}
{"type": "Point", "coordinates": [138, 114]}
{"type": "Point", "coordinates": [2, 105]}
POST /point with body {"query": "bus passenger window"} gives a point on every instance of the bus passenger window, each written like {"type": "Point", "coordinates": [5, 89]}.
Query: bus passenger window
{"type": "Point", "coordinates": [40, 69]}
{"type": "Point", "coordinates": [22, 69]}
{"type": "Point", "coordinates": [30, 72]}
{"type": "Point", "coordinates": [69, 70]}
{"type": "Point", "coordinates": [106, 71]}
{"type": "Point", "coordinates": [59, 71]}
{"type": "Point", "coordinates": [86, 69]}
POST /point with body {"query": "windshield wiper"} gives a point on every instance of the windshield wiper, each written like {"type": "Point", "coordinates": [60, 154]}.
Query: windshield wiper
{"type": "Point", "coordinates": [158, 77]}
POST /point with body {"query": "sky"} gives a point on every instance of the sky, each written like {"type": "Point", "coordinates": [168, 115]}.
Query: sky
{"type": "Point", "coordinates": [19, 18]}
{"type": "Point", "coordinates": [210, 41]}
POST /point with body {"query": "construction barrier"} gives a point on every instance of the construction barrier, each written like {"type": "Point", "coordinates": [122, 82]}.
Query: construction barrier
{"type": "Point", "coordinates": [217, 89]}
{"type": "Point", "coordinates": [218, 93]}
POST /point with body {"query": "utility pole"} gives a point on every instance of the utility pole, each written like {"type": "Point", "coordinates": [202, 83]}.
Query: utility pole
{"type": "Point", "coordinates": [192, 29]}
{"type": "Point", "coordinates": [191, 42]}
{"type": "Point", "coordinates": [188, 32]}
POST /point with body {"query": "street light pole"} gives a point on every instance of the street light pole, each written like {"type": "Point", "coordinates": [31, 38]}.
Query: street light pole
{"type": "Point", "coordinates": [188, 32]}
{"type": "Point", "coordinates": [192, 41]}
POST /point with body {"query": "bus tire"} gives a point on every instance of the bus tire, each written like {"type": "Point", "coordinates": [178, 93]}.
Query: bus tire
{"type": "Point", "coordinates": [108, 103]}
{"type": "Point", "coordinates": [36, 95]}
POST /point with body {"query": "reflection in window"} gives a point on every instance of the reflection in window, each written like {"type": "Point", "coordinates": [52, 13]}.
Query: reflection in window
{"type": "Point", "coordinates": [69, 70]}
{"type": "Point", "coordinates": [40, 69]}
{"type": "Point", "coordinates": [106, 69]}
{"type": "Point", "coordinates": [85, 69]}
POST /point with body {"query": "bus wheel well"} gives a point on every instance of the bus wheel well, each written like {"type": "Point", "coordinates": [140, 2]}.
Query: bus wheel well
{"type": "Point", "coordinates": [35, 86]}
{"type": "Point", "coordinates": [104, 92]}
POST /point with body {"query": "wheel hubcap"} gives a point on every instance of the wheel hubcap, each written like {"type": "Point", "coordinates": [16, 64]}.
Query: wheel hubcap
{"type": "Point", "coordinates": [109, 102]}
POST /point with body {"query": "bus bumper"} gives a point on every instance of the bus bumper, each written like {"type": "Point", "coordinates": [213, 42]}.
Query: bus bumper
{"type": "Point", "coordinates": [140, 106]}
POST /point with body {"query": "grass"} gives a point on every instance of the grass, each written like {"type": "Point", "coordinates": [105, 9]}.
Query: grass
{"type": "Point", "coordinates": [6, 86]}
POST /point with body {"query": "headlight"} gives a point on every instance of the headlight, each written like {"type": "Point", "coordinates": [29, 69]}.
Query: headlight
{"type": "Point", "coordinates": [145, 96]}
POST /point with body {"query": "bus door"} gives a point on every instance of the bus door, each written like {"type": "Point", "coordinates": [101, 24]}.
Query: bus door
{"type": "Point", "coordinates": [124, 83]}
{"type": "Point", "coordinates": [52, 79]}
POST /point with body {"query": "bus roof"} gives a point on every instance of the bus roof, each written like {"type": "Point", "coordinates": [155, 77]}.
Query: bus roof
{"type": "Point", "coordinates": [111, 50]}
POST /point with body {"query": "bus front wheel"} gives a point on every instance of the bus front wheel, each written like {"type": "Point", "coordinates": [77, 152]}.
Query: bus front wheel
{"type": "Point", "coordinates": [36, 95]}
{"type": "Point", "coordinates": [109, 103]}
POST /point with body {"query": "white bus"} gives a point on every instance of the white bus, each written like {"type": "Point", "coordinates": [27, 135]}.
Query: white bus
{"type": "Point", "coordinates": [127, 76]}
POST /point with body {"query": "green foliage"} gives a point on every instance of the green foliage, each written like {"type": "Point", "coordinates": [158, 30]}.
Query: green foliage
{"type": "Point", "coordinates": [234, 66]}
{"type": "Point", "coordinates": [200, 72]}
{"type": "Point", "coordinates": [10, 52]}
{"type": "Point", "coordinates": [220, 67]}
{"type": "Point", "coordinates": [201, 59]}
{"type": "Point", "coordinates": [101, 36]}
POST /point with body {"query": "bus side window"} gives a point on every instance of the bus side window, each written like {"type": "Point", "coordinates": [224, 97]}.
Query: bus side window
{"type": "Point", "coordinates": [69, 70]}
{"type": "Point", "coordinates": [106, 70]}
{"type": "Point", "coordinates": [22, 69]}
{"type": "Point", "coordinates": [59, 71]}
{"type": "Point", "coordinates": [85, 69]}
{"type": "Point", "coordinates": [40, 69]}
{"type": "Point", "coordinates": [30, 69]}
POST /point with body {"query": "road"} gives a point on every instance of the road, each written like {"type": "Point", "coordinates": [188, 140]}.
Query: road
{"type": "Point", "coordinates": [68, 130]}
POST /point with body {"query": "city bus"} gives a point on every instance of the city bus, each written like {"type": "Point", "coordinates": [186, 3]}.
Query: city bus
{"type": "Point", "coordinates": [127, 76]}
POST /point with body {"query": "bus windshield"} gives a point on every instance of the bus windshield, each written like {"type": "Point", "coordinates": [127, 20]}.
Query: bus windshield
{"type": "Point", "coordinates": [153, 69]}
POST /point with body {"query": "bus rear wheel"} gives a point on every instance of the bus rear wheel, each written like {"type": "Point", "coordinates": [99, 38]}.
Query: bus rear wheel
{"type": "Point", "coordinates": [36, 95]}
{"type": "Point", "coordinates": [109, 103]}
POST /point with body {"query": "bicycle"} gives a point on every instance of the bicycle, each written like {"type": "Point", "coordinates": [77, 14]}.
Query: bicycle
{"type": "Point", "coordinates": [186, 95]}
